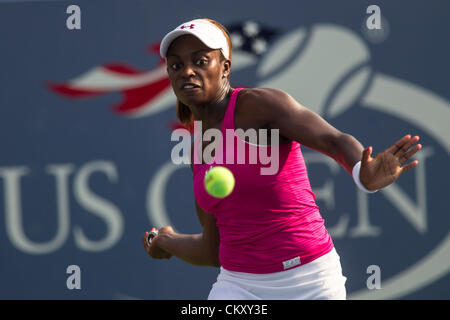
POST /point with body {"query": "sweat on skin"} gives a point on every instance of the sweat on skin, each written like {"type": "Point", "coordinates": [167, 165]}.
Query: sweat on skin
{"type": "Point", "coordinates": [181, 152]}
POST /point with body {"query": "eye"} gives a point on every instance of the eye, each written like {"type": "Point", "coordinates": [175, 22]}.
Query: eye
{"type": "Point", "coordinates": [201, 62]}
{"type": "Point", "coordinates": [175, 66]}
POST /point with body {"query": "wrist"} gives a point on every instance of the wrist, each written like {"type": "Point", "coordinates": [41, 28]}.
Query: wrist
{"type": "Point", "coordinates": [355, 174]}
{"type": "Point", "coordinates": [164, 241]}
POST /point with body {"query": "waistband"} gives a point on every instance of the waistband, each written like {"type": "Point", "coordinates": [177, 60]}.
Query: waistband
{"type": "Point", "coordinates": [326, 261]}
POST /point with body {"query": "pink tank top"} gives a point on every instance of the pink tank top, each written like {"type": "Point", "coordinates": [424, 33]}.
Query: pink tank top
{"type": "Point", "coordinates": [269, 223]}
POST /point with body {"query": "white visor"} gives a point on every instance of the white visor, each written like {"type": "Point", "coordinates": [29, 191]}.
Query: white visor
{"type": "Point", "coordinates": [204, 30]}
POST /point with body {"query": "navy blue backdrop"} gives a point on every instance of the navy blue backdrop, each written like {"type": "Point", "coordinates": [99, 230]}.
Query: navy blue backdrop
{"type": "Point", "coordinates": [86, 117]}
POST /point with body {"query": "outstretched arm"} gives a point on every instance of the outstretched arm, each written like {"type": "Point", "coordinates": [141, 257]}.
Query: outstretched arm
{"type": "Point", "coordinates": [298, 123]}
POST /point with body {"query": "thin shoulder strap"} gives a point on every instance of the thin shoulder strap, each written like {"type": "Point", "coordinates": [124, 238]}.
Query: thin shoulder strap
{"type": "Point", "coordinates": [228, 120]}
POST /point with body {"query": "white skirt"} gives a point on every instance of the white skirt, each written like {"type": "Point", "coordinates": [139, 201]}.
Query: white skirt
{"type": "Point", "coordinates": [318, 279]}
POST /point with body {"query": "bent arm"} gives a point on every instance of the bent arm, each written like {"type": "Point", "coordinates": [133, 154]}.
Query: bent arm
{"type": "Point", "coordinates": [197, 249]}
{"type": "Point", "coordinates": [298, 123]}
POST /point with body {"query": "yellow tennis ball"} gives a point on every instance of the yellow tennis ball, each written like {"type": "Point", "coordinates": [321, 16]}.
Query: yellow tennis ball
{"type": "Point", "coordinates": [219, 182]}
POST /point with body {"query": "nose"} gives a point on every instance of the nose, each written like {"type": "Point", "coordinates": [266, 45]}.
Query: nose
{"type": "Point", "coordinates": [188, 71]}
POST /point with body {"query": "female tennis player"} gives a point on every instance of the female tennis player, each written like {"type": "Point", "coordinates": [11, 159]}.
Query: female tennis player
{"type": "Point", "coordinates": [267, 236]}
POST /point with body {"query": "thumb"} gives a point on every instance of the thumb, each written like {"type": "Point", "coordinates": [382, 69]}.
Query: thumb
{"type": "Point", "coordinates": [366, 155]}
{"type": "Point", "coordinates": [166, 229]}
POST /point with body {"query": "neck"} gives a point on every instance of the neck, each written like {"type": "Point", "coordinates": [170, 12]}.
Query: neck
{"type": "Point", "coordinates": [214, 111]}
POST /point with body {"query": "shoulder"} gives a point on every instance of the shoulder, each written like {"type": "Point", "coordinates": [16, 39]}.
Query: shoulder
{"type": "Point", "coordinates": [262, 96]}
{"type": "Point", "coordinates": [263, 103]}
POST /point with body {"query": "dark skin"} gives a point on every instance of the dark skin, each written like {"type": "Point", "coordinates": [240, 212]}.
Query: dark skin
{"type": "Point", "coordinates": [189, 61]}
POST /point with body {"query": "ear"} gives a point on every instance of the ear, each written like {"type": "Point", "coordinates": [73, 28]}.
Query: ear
{"type": "Point", "coordinates": [226, 68]}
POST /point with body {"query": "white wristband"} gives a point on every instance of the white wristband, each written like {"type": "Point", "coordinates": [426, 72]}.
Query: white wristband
{"type": "Point", "coordinates": [355, 174]}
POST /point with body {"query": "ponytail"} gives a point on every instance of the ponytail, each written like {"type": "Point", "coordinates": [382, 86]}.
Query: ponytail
{"type": "Point", "coordinates": [184, 114]}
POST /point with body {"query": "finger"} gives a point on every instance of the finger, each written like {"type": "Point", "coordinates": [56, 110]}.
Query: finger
{"type": "Point", "coordinates": [366, 155]}
{"type": "Point", "coordinates": [410, 153]}
{"type": "Point", "coordinates": [144, 240]}
{"type": "Point", "coordinates": [399, 144]}
{"type": "Point", "coordinates": [409, 166]}
{"type": "Point", "coordinates": [166, 229]}
{"type": "Point", "coordinates": [407, 145]}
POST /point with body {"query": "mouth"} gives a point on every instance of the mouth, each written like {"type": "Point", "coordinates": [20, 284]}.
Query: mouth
{"type": "Point", "coordinates": [189, 86]}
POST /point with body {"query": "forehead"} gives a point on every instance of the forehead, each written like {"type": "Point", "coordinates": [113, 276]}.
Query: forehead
{"type": "Point", "coordinates": [186, 45]}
